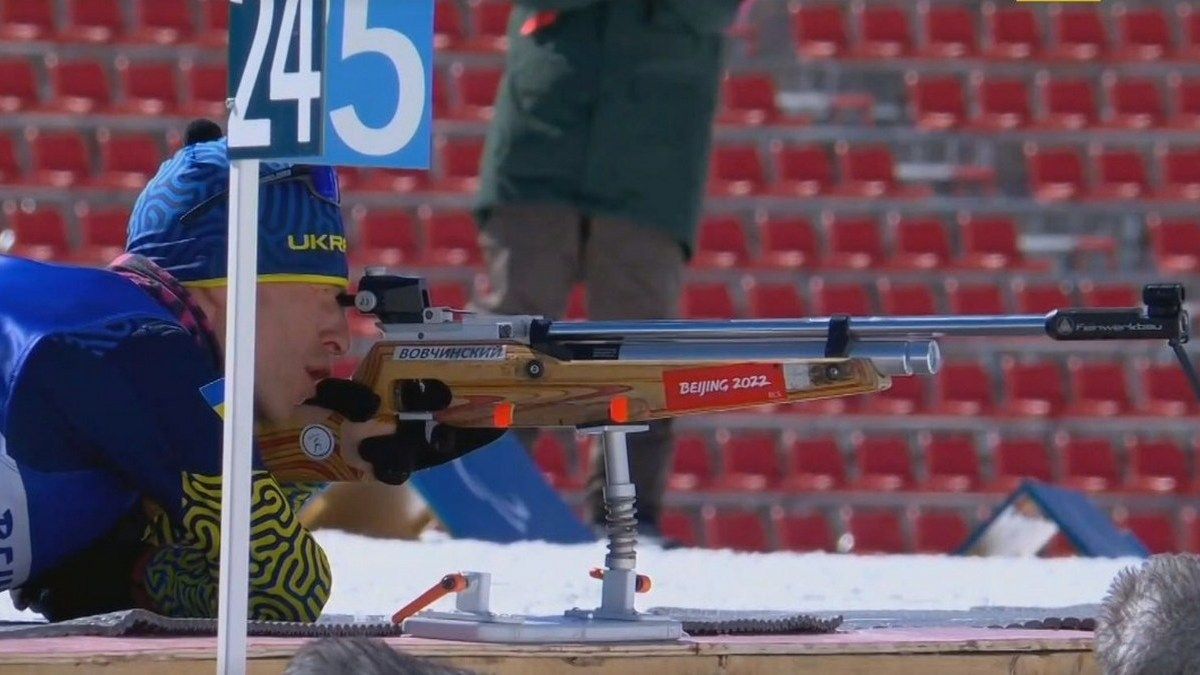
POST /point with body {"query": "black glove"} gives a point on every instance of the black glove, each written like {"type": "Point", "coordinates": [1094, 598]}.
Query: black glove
{"type": "Point", "coordinates": [416, 444]}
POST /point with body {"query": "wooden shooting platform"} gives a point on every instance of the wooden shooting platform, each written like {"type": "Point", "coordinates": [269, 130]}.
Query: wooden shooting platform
{"type": "Point", "coordinates": [927, 651]}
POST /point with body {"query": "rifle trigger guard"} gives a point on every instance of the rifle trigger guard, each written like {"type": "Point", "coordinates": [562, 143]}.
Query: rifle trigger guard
{"type": "Point", "coordinates": [837, 343]}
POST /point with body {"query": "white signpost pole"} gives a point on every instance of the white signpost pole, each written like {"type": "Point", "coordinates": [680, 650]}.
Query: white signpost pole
{"type": "Point", "coordinates": [241, 315]}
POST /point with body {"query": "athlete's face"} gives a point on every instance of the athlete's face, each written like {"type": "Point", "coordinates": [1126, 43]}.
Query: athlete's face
{"type": "Point", "coordinates": [301, 330]}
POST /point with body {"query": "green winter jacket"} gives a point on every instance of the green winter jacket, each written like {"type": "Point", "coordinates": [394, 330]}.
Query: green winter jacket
{"type": "Point", "coordinates": [609, 109]}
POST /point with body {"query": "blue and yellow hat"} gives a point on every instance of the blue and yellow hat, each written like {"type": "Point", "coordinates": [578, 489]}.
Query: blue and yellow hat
{"type": "Point", "coordinates": [181, 220]}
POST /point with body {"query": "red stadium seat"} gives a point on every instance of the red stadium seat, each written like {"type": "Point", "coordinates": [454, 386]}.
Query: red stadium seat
{"type": "Point", "coordinates": [460, 159]}
{"type": "Point", "coordinates": [707, 300]}
{"type": "Point", "coordinates": [1175, 243]}
{"type": "Point", "coordinates": [449, 294]}
{"type": "Point", "coordinates": [921, 243]}
{"type": "Point", "coordinates": [391, 181]}
{"type": "Point", "coordinates": [876, 531]}
{"type": "Point", "coordinates": [802, 531]}
{"type": "Point", "coordinates": [60, 158]}
{"type": "Point", "coordinates": [1190, 30]}
{"type": "Point", "coordinates": [975, 298]}
{"type": "Point", "coordinates": [680, 526]}
{"type": "Point", "coordinates": [1157, 465]}
{"type": "Point", "coordinates": [1180, 171]}
{"type": "Point", "coordinates": [1185, 94]}
{"type": "Point", "coordinates": [884, 32]}
{"type": "Point", "coordinates": [1003, 102]}
{"type": "Point", "coordinates": [804, 170]}
{"type": "Point", "coordinates": [18, 85]}
{"type": "Point", "coordinates": [10, 168]}
{"type": "Point", "coordinates": [490, 18]}
{"type": "Point", "coordinates": [164, 22]}
{"type": "Point", "coordinates": [855, 242]}
{"type": "Point", "coordinates": [775, 301]}
{"type": "Point", "coordinates": [883, 464]}
{"type": "Point", "coordinates": [820, 30]}
{"type": "Point", "coordinates": [906, 299]}
{"type": "Point", "coordinates": [385, 238]}
{"type": "Point", "coordinates": [1034, 389]}
{"type": "Point", "coordinates": [788, 242]}
{"type": "Point", "coordinates": [721, 243]}
{"type": "Point", "coordinates": [1035, 298]}
{"type": "Point", "coordinates": [1079, 34]}
{"type": "Point", "coordinates": [949, 31]}
{"type": "Point", "coordinates": [1143, 34]}
{"type": "Point", "coordinates": [553, 458]}
{"type": "Point", "coordinates": [906, 396]}
{"type": "Point", "coordinates": [964, 388]}
{"type": "Point", "coordinates": [1134, 102]}
{"type": "Point", "coordinates": [1098, 389]}
{"type": "Point", "coordinates": [127, 160]}
{"type": "Point", "coordinates": [215, 27]}
{"type": "Point", "coordinates": [1120, 174]}
{"type": "Point", "coordinates": [852, 299]}
{"type": "Point", "coordinates": [477, 89]}
{"type": "Point", "coordinates": [104, 233]}
{"type": "Point", "coordinates": [748, 100]}
{"type": "Point", "coordinates": [206, 86]}
{"type": "Point", "coordinates": [448, 25]}
{"type": "Point", "coordinates": [1165, 390]}
{"type": "Point", "coordinates": [94, 21]}
{"type": "Point", "coordinates": [940, 531]}
{"type": "Point", "coordinates": [750, 462]}
{"type": "Point", "coordinates": [990, 242]}
{"type": "Point", "coordinates": [1155, 530]}
{"type": "Point", "coordinates": [736, 170]}
{"type": "Point", "coordinates": [1018, 459]}
{"type": "Point", "coordinates": [452, 237]}
{"type": "Point", "coordinates": [1055, 174]}
{"type": "Point", "coordinates": [952, 463]}
{"type": "Point", "coordinates": [150, 88]}
{"type": "Point", "coordinates": [27, 20]}
{"type": "Point", "coordinates": [577, 302]}
{"type": "Point", "coordinates": [1014, 32]}
{"type": "Point", "coordinates": [692, 468]}
{"type": "Point", "coordinates": [816, 465]}
{"type": "Point", "coordinates": [1109, 295]}
{"type": "Point", "coordinates": [40, 232]}
{"type": "Point", "coordinates": [870, 171]}
{"type": "Point", "coordinates": [79, 86]}
{"type": "Point", "coordinates": [936, 102]}
{"type": "Point", "coordinates": [736, 529]}
{"type": "Point", "coordinates": [1067, 104]}
{"type": "Point", "coordinates": [1091, 463]}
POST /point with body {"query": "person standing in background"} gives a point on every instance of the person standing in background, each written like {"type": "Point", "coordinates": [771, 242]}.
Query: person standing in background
{"type": "Point", "coordinates": [594, 170]}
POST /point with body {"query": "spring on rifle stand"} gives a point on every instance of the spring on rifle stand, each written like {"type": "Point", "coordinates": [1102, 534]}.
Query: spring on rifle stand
{"type": "Point", "coordinates": [622, 528]}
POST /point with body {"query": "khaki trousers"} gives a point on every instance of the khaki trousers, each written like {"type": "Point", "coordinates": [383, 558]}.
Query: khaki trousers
{"type": "Point", "coordinates": [534, 254]}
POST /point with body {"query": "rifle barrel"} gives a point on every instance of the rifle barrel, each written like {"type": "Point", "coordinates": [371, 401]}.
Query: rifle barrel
{"type": "Point", "coordinates": [890, 357]}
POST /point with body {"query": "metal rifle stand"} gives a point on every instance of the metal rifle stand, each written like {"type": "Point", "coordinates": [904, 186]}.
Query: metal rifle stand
{"type": "Point", "coordinates": [615, 620]}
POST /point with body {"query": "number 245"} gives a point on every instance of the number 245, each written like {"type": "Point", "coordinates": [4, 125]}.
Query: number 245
{"type": "Point", "coordinates": [304, 85]}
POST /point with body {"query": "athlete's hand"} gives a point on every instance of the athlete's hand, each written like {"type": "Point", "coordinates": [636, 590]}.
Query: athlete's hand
{"type": "Point", "coordinates": [394, 451]}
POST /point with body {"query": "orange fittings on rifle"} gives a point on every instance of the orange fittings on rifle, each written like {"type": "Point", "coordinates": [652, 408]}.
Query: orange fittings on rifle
{"type": "Point", "coordinates": [502, 416]}
{"type": "Point", "coordinates": [642, 585]}
{"type": "Point", "coordinates": [618, 409]}
{"type": "Point", "coordinates": [451, 583]}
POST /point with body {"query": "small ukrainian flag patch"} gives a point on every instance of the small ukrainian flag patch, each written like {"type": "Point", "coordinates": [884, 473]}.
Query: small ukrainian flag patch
{"type": "Point", "coordinates": [214, 393]}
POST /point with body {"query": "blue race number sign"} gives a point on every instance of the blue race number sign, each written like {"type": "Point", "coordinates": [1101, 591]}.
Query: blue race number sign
{"type": "Point", "coordinates": [380, 83]}
{"type": "Point", "coordinates": [340, 82]}
{"type": "Point", "coordinates": [276, 54]}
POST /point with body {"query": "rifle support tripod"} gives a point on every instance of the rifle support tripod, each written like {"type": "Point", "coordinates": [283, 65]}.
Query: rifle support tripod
{"type": "Point", "coordinates": [614, 620]}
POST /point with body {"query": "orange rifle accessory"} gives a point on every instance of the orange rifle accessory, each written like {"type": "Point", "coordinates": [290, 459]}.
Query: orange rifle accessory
{"type": "Point", "coordinates": [451, 583]}
{"type": "Point", "coordinates": [642, 585]}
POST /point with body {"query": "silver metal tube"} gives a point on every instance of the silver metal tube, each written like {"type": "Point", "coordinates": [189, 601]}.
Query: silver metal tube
{"type": "Point", "coordinates": [900, 326]}
{"type": "Point", "coordinates": [913, 357]}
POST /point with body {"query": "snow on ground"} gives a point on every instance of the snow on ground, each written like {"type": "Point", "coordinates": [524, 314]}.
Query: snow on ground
{"type": "Point", "coordinates": [375, 577]}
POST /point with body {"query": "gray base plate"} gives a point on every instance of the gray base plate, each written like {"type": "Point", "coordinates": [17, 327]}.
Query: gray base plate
{"type": "Point", "coordinates": [535, 629]}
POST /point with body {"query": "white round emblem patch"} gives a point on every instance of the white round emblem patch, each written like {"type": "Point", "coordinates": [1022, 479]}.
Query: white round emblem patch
{"type": "Point", "coordinates": [317, 441]}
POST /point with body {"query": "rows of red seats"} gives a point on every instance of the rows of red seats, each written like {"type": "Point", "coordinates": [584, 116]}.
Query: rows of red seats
{"type": "Point", "coordinates": [986, 101]}
{"type": "Point", "coordinates": [1070, 173]}
{"type": "Point", "coordinates": [994, 31]}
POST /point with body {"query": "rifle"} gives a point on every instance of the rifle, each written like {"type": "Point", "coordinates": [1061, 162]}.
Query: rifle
{"type": "Point", "coordinates": [472, 370]}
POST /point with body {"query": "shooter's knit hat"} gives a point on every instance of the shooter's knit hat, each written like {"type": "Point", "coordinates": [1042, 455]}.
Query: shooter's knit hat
{"type": "Point", "coordinates": [181, 219]}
